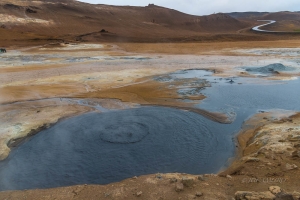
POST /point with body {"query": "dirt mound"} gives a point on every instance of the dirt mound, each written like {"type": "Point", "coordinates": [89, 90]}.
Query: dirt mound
{"type": "Point", "coordinates": [283, 16]}
{"type": "Point", "coordinates": [272, 68]}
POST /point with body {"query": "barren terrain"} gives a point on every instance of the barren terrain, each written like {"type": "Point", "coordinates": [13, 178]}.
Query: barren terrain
{"type": "Point", "coordinates": [60, 64]}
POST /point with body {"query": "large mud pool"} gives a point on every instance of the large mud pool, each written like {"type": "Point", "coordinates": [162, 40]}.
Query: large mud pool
{"type": "Point", "coordinates": [108, 147]}
{"type": "Point", "coordinates": [100, 148]}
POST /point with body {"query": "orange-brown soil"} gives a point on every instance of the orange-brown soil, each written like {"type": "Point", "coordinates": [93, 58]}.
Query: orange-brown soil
{"type": "Point", "coordinates": [42, 93]}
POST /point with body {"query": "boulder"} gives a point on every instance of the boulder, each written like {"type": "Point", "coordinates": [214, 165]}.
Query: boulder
{"type": "Point", "coordinates": [275, 189]}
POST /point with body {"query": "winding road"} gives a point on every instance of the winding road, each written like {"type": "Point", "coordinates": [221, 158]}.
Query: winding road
{"type": "Point", "coordinates": [257, 28]}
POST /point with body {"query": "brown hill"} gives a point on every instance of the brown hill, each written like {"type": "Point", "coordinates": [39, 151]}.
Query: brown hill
{"type": "Point", "coordinates": [248, 15]}
{"type": "Point", "coordinates": [278, 16]}
{"type": "Point", "coordinates": [73, 19]}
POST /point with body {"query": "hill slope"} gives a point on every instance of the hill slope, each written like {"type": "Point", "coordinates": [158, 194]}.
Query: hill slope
{"type": "Point", "coordinates": [68, 18]}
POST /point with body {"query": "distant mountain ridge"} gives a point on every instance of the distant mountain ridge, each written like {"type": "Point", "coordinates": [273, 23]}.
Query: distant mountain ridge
{"type": "Point", "coordinates": [73, 17]}
{"type": "Point", "coordinates": [74, 20]}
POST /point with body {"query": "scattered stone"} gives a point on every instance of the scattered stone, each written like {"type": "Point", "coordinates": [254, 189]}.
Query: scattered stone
{"type": "Point", "coordinates": [201, 178]}
{"type": "Point", "coordinates": [251, 159]}
{"type": "Point", "coordinates": [199, 194]}
{"type": "Point", "coordinates": [290, 166]}
{"type": "Point", "coordinates": [244, 195]}
{"type": "Point", "coordinates": [269, 164]}
{"type": "Point", "coordinates": [284, 196]}
{"type": "Point", "coordinates": [296, 195]}
{"type": "Point", "coordinates": [138, 194]}
{"type": "Point", "coordinates": [173, 180]}
{"type": "Point", "coordinates": [228, 176]}
{"type": "Point", "coordinates": [241, 195]}
{"type": "Point", "coordinates": [135, 177]}
{"type": "Point", "coordinates": [275, 189]}
{"type": "Point", "coordinates": [159, 176]}
{"type": "Point", "coordinates": [188, 182]}
{"type": "Point", "coordinates": [179, 187]}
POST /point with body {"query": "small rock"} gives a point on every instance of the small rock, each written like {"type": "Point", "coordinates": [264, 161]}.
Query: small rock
{"type": "Point", "coordinates": [266, 195]}
{"type": "Point", "coordinates": [188, 182]}
{"type": "Point", "coordinates": [275, 189]}
{"type": "Point", "coordinates": [241, 195]}
{"type": "Point", "coordinates": [244, 195]}
{"type": "Point", "coordinates": [135, 177]}
{"type": "Point", "coordinates": [178, 187]}
{"type": "Point", "coordinates": [199, 194]}
{"type": "Point", "coordinates": [138, 194]}
{"type": "Point", "coordinates": [173, 180]}
{"type": "Point", "coordinates": [290, 166]}
{"type": "Point", "coordinates": [284, 196]}
{"type": "Point", "coordinates": [228, 176]}
{"type": "Point", "coordinates": [251, 159]}
{"type": "Point", "coordinates": [296, 195]}
{"type": "Point", "coordinates": [159, 176]}
{"type": "Point", "coordinates": [201, 178]}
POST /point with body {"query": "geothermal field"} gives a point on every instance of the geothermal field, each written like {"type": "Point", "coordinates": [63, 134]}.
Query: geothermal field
{"type": "Point", "coordinates": [208, 112]}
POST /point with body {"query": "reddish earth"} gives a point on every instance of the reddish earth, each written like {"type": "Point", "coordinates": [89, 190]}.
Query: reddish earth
{"type": "Point", "coordinates": [40, 22]}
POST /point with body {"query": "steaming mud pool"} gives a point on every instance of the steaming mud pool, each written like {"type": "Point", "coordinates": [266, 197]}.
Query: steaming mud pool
{"type": "Point", "coordinates": [100, 148]}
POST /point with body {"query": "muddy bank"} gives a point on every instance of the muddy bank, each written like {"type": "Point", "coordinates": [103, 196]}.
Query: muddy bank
{"type": "Point", "coordinates": [22, 119]}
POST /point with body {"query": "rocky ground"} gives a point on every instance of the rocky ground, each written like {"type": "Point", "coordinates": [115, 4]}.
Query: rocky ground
{"type": "Point", "coordinates": [37, 94]}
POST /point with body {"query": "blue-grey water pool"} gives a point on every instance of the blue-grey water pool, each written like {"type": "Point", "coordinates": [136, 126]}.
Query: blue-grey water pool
{"type": "Point", "coordinates": [100, 148]}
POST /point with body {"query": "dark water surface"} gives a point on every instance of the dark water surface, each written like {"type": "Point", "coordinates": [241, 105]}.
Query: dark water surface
{"type": "Point", "coordinates": [102, 148]}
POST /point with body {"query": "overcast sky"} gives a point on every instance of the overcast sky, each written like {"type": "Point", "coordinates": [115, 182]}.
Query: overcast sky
{"type": "Point", "coordinates": [204, 7]}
